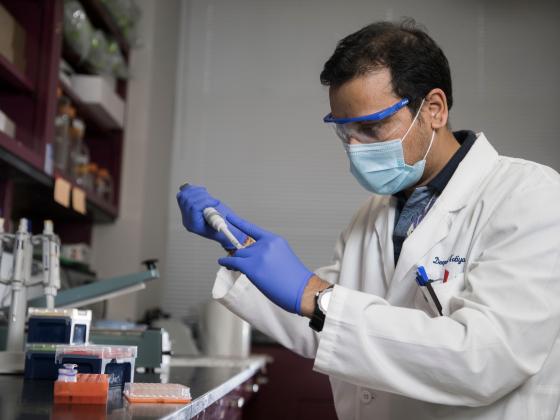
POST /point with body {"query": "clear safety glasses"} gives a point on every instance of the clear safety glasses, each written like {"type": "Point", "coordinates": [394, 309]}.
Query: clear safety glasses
{"type": "Point", "coordinates": [370, 128]}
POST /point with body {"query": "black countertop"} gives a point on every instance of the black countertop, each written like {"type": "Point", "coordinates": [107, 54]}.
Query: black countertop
{"type": "Point", "coordinates": [209, 382]}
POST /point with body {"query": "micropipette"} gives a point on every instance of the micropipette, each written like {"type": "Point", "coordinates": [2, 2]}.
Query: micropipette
{"type": "Point", "coordinates": [215, 219]}
{"type": "Point", "coordinates": [23, 254]}
{"type": "Point", "coordinates": [51, 263]}
{"type": "Point", "coordinates": [217, 222]}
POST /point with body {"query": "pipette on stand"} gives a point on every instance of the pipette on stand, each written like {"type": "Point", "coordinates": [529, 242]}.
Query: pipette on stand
{"type": "Point", "coordinates": [217, 222]}
{"type": "Point", "coordinates": [23, 252]}
{"type": "Point", "coordinates": [5, 238]}
{"type": "Point", "coordinates": [1, 241]}
{"type": "Point", "coordinates": [51, 263]}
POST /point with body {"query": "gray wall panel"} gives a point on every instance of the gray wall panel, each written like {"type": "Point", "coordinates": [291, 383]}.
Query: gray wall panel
{"type": "Point", "coordinates": [249, 110]}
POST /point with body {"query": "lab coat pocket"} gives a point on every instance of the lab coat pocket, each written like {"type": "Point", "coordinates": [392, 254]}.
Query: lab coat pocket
{"type": "Point", "coordinates": [444, 292]}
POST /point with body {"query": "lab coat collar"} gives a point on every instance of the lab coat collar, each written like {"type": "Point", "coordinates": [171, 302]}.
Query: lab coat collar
{"type": "Point", "coordinates": [384, 225]}
{"type": "Point", "coordinates": [476, 165]}
{"type": "Point", "coordinates": [436, 225]}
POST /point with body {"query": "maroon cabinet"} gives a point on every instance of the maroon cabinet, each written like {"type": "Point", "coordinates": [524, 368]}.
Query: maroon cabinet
{"type": "Point", "coordinates": [293, 390]}
{"type": "Point", "coordinates": [28, 98]}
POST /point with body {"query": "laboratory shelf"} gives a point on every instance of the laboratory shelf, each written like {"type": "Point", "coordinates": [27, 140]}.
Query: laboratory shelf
{"type": "Point", "coordinates": [33, 188]}
{"type": "Point", "coordinates": [18, 154]}
{"type": "Point", "coordinates": [93, 200]}
{"type": "Point", "coordinates": [12, 78]}
{"type": "Point", "coordinates": [92, 114]}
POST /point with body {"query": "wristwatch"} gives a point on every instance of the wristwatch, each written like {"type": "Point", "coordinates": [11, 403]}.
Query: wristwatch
{"type": "Point", "coordinates": [322, 299]}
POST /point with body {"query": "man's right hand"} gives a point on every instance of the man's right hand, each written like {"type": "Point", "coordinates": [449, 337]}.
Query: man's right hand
{"type": "Point", "coordinates": [192, 201]}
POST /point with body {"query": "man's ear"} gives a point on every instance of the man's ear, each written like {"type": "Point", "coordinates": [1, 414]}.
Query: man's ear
{"type": "Point", "coordinates": [437, 109]}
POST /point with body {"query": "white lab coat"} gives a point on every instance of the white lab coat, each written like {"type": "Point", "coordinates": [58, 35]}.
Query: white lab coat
{"type": "Point", "coordinates": [495, 354]}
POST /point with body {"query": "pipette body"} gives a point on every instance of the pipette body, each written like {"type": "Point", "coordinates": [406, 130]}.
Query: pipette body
{"type": "Point", "coordinates": [51, 263]}
{"type": "Point", "coordinates": [215, 219]}
{"type": "Point", "coordinates": [23, 253]}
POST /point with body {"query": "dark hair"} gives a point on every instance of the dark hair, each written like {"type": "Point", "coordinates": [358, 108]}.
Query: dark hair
{"type": "Point", "coordinates": [416, 63]}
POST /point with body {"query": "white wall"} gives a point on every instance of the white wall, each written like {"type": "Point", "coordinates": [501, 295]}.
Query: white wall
{"type": "Point", "coordinates": [140, 231]}
{"type": "Point", "coordinates": [250, 105]}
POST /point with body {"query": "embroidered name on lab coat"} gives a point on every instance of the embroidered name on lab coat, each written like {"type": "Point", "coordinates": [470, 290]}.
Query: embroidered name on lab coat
{"type": "Point", "coordinates": [452, 259]}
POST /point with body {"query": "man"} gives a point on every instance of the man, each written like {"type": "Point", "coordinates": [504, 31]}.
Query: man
{"type": "Point", "coordinates": [446, 297]}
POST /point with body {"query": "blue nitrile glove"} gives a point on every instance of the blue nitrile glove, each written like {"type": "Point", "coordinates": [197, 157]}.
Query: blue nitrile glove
{"type": "Point", "coordinates": [192, 201]}
{"type": "Point", "coordinates": [271, 265]}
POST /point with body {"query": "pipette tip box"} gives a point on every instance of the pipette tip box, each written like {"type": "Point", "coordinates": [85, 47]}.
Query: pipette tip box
{"type": "Point", "coordinates": [157, 393]}
{"type": "Point", "coordinates": [61, 326]}
{"type": "Point", "coordinates": [116, 361]}
{"type": "Point", "coordinates": [39, 361]}
{"type": "Point", "coordinates": [88, 389]}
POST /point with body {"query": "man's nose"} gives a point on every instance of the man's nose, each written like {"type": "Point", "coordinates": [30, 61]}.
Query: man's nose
{"type": "Point", "coordinates": [352, 140]}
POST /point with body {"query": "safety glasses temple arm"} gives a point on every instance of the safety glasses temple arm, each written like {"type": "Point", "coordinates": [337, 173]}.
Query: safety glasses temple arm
{"type": "Point", "coordinates": [377, 116]}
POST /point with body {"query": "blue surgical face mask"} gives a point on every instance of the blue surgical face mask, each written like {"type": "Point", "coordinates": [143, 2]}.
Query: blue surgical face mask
{"type": "Point", "coordinates": [381, 168]}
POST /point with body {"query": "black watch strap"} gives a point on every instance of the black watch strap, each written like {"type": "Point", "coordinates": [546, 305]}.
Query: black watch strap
{"type": "Point", "coordinates": [318, 318]}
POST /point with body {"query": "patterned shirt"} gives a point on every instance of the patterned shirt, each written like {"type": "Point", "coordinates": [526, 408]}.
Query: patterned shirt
{"type": "Point", "coordinates": [410, 211]}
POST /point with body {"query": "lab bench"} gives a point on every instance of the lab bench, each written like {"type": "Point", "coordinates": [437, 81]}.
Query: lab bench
{"type": "Point", "coordinates": [219, 388]}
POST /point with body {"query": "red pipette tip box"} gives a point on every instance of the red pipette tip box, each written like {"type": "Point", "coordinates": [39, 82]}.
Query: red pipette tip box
{"type": "Point", "coordinates": [89, 389]}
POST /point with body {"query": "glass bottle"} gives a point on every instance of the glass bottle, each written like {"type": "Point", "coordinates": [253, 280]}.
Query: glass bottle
{"type": "Point", "coordinates": [91, 175]}
{"type": "Point", "coordinates": [62, 123]}
{"type": "Point", "coordinates": [104, 185]}
{"type": "Point", "coordinates": [79, 153]}
{"type": "Point", "coordinates": [80, 175]}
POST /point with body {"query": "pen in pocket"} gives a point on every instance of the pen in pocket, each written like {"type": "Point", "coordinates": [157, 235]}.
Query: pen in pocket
{"type": "Point", "coordinates": [423, 281]}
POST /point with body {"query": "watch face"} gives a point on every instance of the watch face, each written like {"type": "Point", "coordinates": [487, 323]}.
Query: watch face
{"type": "Point", "coordinates": [324, 300]}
